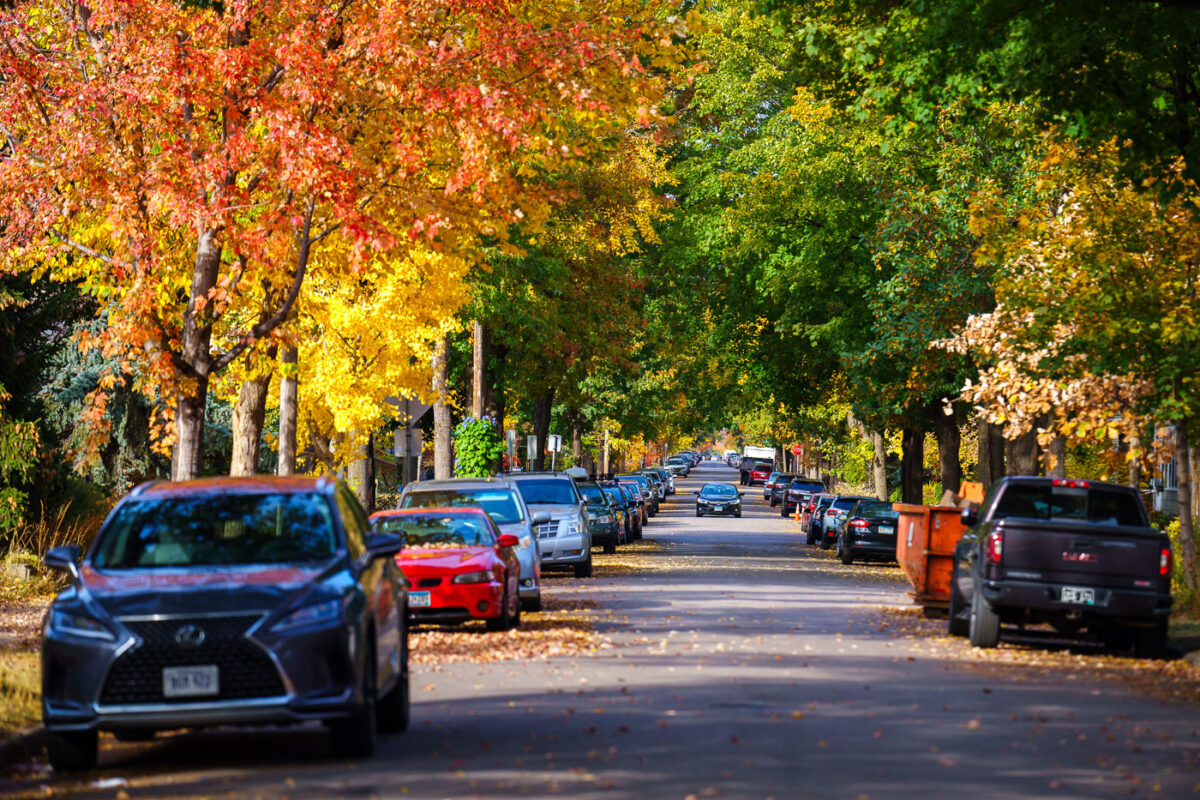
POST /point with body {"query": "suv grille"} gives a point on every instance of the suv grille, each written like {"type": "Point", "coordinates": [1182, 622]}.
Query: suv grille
{"type": "Point", "coordinates": [547, 530]}
{"type": "Point", "coordinates": [244, 670]}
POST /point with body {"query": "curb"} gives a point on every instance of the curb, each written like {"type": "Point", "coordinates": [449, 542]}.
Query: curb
{"type": "Point", "coordinates": [22, 745]}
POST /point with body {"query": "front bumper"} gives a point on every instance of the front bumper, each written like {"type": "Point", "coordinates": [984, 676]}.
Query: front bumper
{"type": "Point", "coordinates": [1044, 596]}
{"type": "Point", "coordinates": [728, 510]}
{"type": "Point", "coordinates": [564, 551]}
{"type": "Point", "coordinates": [605, 534]}
{"type": "Point", "coordinates": [868, 549]}
{"type": "Point", "coordinates": [452, 603]}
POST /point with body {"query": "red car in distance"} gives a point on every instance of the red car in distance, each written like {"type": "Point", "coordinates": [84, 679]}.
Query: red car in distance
{"type": "Point", "coordinates": [459, 566]}
{"type": "Point", "coordinates": [760, 473]}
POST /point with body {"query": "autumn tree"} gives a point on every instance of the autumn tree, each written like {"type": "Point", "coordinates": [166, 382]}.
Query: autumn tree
{"type": "Point", "coordinates": [186, 162]}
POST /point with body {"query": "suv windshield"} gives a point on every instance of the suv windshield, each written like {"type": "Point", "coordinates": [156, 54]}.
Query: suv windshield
{"type": "Point", "coordinates": [501, 504]}
{"type": "Point", "coordinates": [219, 530]}
{"type": "Point", "coordinates": [547, 491]}
{"type": "Point", "coordinates": [439, 531]}
{"type": "Point", "coordinates": [1042, 501]}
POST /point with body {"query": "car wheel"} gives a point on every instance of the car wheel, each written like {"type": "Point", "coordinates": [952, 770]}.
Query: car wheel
{"type": "Point", "coordinates": [959, 623]}
{"type": "Point", "coordinates": [1150, 642]}
{"type": "Point", "coordinates": [984, 628]}
{"type": "Point", "coordinates": [738, 515]}
{"type": "Point", "coordinates": [69, 751]}
{"type": "Point", "coordinates": [584, 570]}
{"type": "Point", "coordinates": [356, 735]}
{"type": "Point", "coordinates": [533, 606]}
{"type": "Point", "coordinates": [504, 621]}
{"type": "Point", "coordinates": [783, 512]}
{"type": "Point", "coordinates": [610, 548]}
{"type": "Point", "coordinates": [698, 514]}
{"type": "Point", "coordinates": [809, 538]}
{"type": "Point", "coordinates": [844, 552]}
{"type": "Point", "coordinates": [395, 707]}
{"type": "Point", "coordinates": [825, 543]}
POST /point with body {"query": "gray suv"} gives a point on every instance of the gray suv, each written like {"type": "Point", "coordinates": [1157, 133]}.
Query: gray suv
{"type": "Point", "coordinates": [565, 540]}
{"type": "Point", "coordinates": [503, 503]}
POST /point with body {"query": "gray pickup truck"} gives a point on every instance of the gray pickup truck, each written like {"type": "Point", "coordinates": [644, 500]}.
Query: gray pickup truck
{"type": "Point", "coordinates": [1075, 554]}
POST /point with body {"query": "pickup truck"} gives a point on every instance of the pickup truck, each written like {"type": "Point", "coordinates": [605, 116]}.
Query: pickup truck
{"type": "Point", "coordinates": [1071, 553]}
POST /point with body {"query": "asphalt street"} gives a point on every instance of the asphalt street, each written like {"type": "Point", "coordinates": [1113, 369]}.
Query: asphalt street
{"type": "Point", "coordinates": [742, 664]}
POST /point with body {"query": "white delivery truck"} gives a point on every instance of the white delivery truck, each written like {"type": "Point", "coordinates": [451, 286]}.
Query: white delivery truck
{"type": "Point", "coordinates": [759, 453]}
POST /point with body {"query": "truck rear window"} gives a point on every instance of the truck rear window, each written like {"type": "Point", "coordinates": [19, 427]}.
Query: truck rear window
{"type": "Point", "coordinates": [1096, 505]}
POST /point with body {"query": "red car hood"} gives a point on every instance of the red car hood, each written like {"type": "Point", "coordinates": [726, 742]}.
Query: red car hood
{"type": "Point", "coordinates": [442, 559]}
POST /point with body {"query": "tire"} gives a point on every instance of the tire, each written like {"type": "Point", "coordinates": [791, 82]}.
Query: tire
{"type": "Point", "coordinates": [70, 751]}
{"type": "Point", "coordinates": [698, 514]}
{"type": "Point", "coordinates": [825, 544]}
{"type": "Point", "coordinates": [773, 503]}
{"type": "Point", "coordinates": [504, 622]}
{"type": "Point", "coordinates": [783, 512]}
{"type": "Point", "coordinates": [356, 735]}
{"type": "Point", "coordinates": [844, 552]}
{"type": "Point", "coordinates": [957, 625]}
{"type": "Point", "coordinates": [1150, 642]}
{"type": "Point", "coordinates": [533, 606]}
{"type": "Point", "coordinates": [809, 538]}
{"type": "Point", "coordinates": [584, 570]}
{"type": "Point", "coordinates": [984, 630]}
{"type": "Point", "coordinates": [395, 707]}
{"type": "Point", "coordinates": [610, 548]}
{"type": "Point", "coordinates": [738, 515]}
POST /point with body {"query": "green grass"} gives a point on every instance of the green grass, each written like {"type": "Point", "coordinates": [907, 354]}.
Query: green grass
{"type": "Point", "coordinates": [1185, 632]}
{"type": "Point", "coordinates": [20, 691]}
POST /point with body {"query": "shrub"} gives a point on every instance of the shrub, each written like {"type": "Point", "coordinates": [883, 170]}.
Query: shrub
{"type": "Point", "coordinates": [478, 446]}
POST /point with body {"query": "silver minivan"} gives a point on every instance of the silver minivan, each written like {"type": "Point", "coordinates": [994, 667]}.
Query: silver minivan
{"type": "Point", "coordinates": [501, 500]}
{"type": "Point", "coordinates": [565, 540]}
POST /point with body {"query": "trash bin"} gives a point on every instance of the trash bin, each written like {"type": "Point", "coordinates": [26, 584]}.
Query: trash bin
{"type": "Point", "coordinates": [925, 540]}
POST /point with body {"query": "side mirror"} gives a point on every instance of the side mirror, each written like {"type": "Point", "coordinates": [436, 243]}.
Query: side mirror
{"type": "Point", "coordinates": [381, 545]}
{"type": "Point", "coordinates": [741, 494]}
{"type": "Point", "coordinates": [969, 517]}
{"type": "Point", "coordinates": [696, 491]}
{"type": "Point", "coordinates": [507, 540]}
{"type": "Point", "coordinates": [541, 518]}
{"type": "Point", "coordinates": [64, 559]}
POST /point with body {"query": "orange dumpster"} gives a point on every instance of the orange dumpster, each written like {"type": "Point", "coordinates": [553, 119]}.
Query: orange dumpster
{"type": "Point", "coordinates": [925, 539]}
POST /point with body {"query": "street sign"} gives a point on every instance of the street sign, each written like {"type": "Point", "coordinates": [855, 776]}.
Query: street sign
{"type": "Point", "coordinates": [554, 443]}
{"type": "Point", "coordinates": [797, 449]}
{"type": "Point", "coordinates": [531, 445]}
{"type": "Point", "coordinates": [510, 444]}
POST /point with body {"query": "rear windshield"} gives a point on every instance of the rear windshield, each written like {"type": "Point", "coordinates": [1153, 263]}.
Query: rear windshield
{"type": "Point", "coordinates": [876, 508]}
{"type": "Point", "coordinates": [1045, 501]}
{"type": "Point", "coordinates": [844, 503]}
{"type": "Point", "coordinates": [808, 486]}
{"type": "Point", "coordinates": [593, 495]}
{"type": "Point", "coordinates": [547, 491]}
{"type": "Point", "coordinates": [219, 530]}
{"type": "Point", "coordinates": [439, 531]}
{"type": "Point", "coordinates": [500, 504]}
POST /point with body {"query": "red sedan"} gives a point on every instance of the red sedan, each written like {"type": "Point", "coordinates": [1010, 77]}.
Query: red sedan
{"type": "Point", "coordinates": [760, 473]}
{"type": "Point", "coordinates": [459, 566]}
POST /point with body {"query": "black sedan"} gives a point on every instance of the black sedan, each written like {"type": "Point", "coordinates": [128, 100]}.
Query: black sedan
{"type": "Point", "coordinates": [719, 499]}
{"type": "Point", "coordinates": [868, 531]}
{"type": "Point", "coordinates": [227, 602]}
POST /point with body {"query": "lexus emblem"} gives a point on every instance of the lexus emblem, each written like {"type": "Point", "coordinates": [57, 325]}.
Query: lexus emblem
{"type": "Point", "coordinates": [190, 636]}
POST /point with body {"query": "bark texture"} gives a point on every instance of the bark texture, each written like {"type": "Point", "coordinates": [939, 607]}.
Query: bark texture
{"type": "Point", "coordinates": [1057, 455]}
{"type": "Point", "coordinates": [1135, 465]}
{"type": "Point", "coordinates": [361, 475]}
{"type": "Point", "coordinates": [1187, 541]}
{"type": "Point", "coordinates": [1023, 455]}
{"type": "Point", "coordinates": [912, 458]}
{"type": "Point", "coordinates": [443, 455]}
{"type": "Point", "coordinates": [879, 464]}
{"type": "Point", "coordinates": [249, 413]}
{"type": "Point", "coordinates": [479, 376]}
{"type": "Point", "coordinates": [289, 400]}
{"type": "Point", "coordinates": [543, 404]}
{"type": "Point", "coordinates": [945, 427]}
{"type": "Point", "coordinates": [991, 455]}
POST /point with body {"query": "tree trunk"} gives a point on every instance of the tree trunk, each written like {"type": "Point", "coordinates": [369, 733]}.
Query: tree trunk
{"type": "Point", "coordinates": [945, 427]}
{"type": "Point", "coordinates": [1057, 454]}
{"type": "Point", "coordinates": [991, 455]}
{"type": "Point", "coordinates": [879, 464]}
{"type": "Point", "coordinates": [912, 465]}
{"type": "Point", "coordinates": [576, 417]}
{"type": "Point", "coordinates": [479, 376]}
{"type": "Point", "coordinates": [1183, 475]}
{"type": "Point", "coordinates": [1135, 464]}
{"type": "Point", "coordinates": [362, 475]}
{"type": "Point", "coordinates": [289, 398]}
{"type": "Point", "coordinates": [187, 456]}
{"type": "Point", "coordinates": [1023, 457]}
{"type": "Point", "coordinates": [249, 412]}
{"type": "Point", "coordinates": [443, 456]}
{"type": "Point", "coordinates": [196, 345]}
{"type": "Point", "coordinates": [543, 404]}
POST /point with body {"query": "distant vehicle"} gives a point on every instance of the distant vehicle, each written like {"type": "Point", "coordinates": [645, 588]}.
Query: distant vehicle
{"type": "Point", "coordinates": [720, 499]}
{"type": "Point", "coordinates": [226, 601]}
{"type": "Point", "coordinates": [779, 489]}
{"type": "Point", "coordinates": [656, 481]}
{"type": "Point", "coordinates": [602, 516]}
{"type": "Point", "coordinates": [668, 478]}
{"type": "Point", "coordinates": [458, 564]}
{"type": "Point", "coordinates": [754, 451]}
{"type": "Point", "coordinates": [680, 465]}
{"type": "Point", "coordinates": [1076, 554]}
{"type": "Point", "coordinates": [648, 491]}
{"type": "Point", "coordinates": [868, 531]}
{"type": "Point", "coordinates": [799, 491]}
{"type": "Point", "coordinates": [769, 484]}
{"type": "Point", "coordinates": [758, 474]}
{"type": "Point", "coordinates": [501, 500]}
{"type": "Point", "coordinates": [815, 530]}
{"type": "Point", "coordinates": [628, 511]}
{"type": "Point", "coordinates": [637, 499]}
{"type": "Point", "coordinates": [834, 515]}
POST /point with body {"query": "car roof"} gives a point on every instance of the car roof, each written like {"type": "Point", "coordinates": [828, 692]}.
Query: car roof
{"type": "Point", "coordinates": [461, 483]}
{"type": "Point", "coordinates": [520, 476]}
{"type": "Point", "coordinates": [250, 484]}
{"type": "Point", "coordinates": [419, 512]}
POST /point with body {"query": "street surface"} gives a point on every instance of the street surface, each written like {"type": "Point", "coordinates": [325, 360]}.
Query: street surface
{"type": "Point", "coordinates": [743, 664]}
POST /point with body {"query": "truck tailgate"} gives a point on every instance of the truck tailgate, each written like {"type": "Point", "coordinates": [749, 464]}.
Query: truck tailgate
{"type": "Point", "coordinates": [1095, 555]}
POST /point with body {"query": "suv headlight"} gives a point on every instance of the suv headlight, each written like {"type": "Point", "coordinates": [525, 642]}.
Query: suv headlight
{"type": "Point", "coordinates": [570, 526]}
{"type": "Point", "coordinates": [80, 625]}
{"type": "Point", "coordinates": [472, 577]}
{"type": "Point", "coordinates": [603, 519]}
{"type": "Point", "coordinates": [323, 613]}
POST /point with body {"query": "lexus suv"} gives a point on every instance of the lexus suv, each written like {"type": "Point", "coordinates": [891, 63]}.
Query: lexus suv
{"type": "Point", "coordinates": [565, 539]}
{"type": "Point", "coordinates": [227, 601]}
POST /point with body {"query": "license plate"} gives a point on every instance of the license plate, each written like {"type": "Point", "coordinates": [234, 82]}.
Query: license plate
{"type": "Point", "coordinates": [190, 681]}
{"type": "Point", "coordinates": [887, 529]}
{"type": "Point", "coordinates": [418, 599]}
{"type": "Point", "coordinates": [1077, 594]}
{"type": "Point", "coordinates": [718, 508]}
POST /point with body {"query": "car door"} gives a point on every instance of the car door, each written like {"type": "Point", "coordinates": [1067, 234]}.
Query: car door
{"type": "Point", "coordinates": [379, 584]}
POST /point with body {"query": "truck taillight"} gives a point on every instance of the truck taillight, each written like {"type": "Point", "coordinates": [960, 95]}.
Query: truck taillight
{"type": "Point", "coordinates": [1069, 483]}
{"type": "Point", "coordinates": [1164, 562]}
{"type": "Point", "coordinates": [994, 548]}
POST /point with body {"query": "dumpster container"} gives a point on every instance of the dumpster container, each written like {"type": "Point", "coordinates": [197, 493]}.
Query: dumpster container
{"type": "Point", "coordinates": [925, 539]}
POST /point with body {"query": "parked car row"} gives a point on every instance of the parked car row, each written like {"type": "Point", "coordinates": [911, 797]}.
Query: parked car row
{"type": "Point", "coordinates": [275, 601]}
